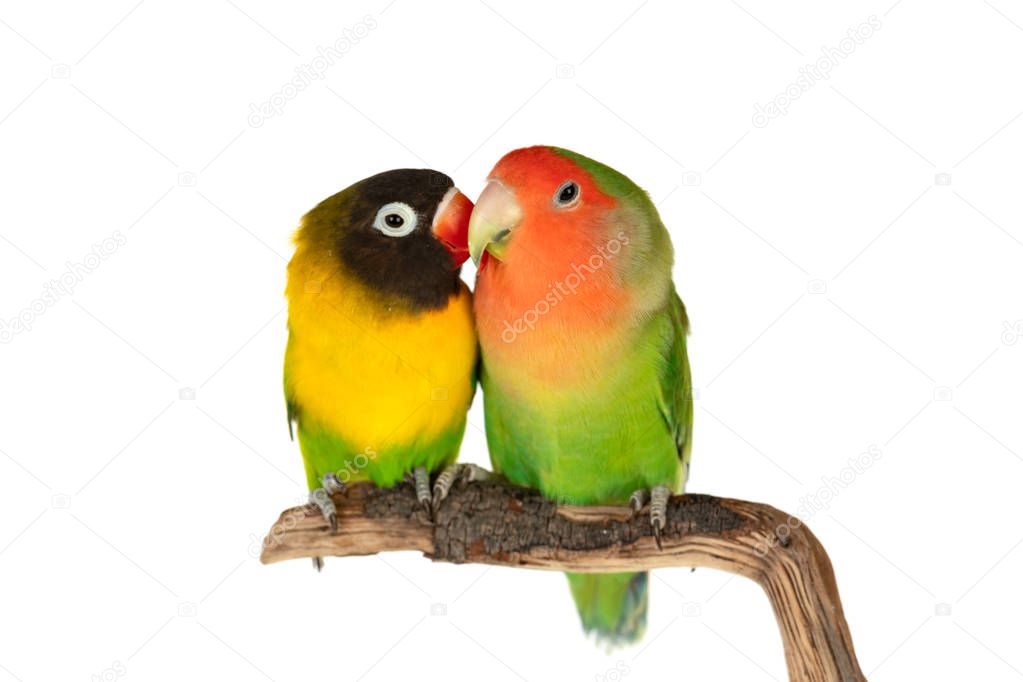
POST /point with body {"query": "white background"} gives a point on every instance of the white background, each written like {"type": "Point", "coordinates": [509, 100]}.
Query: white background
{"type": "Point", "coordinates": [841, 296]}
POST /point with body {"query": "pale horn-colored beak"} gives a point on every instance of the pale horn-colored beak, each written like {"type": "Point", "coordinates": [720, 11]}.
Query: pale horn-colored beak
{"type": "Point", "coordinates": [496, 214]}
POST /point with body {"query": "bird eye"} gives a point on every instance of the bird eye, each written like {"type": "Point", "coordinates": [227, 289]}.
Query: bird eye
{"type": "Point", "coordinates": [567, 194]}
{"type": "Point", "coordinates": [395, 219]}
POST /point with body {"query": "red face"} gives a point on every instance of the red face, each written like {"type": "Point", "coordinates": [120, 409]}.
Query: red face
{"type": "Point", "coordinates": [541, 207]}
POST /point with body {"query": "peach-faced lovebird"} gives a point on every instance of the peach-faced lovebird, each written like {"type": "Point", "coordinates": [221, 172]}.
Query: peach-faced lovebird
{"type": "Point", "coordinates": [380, 364]}
{"type": "Point", "coordinates": [585, 378]}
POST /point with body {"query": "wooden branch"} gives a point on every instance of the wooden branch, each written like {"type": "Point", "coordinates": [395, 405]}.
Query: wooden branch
{"type": "Point", "coordinates": [495, 523]}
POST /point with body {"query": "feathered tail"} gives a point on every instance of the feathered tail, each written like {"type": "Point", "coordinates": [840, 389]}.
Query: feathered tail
{"type": "Point", "coordinates": [611, 605]}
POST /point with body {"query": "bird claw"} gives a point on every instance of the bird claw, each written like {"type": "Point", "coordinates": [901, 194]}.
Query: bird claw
{"type": "Point", "coordinates": [421, 480]}
{"type": "Point", "coordinates": [658, 498]}
{"type": "Point", "coordinates": [332, 484]}
{"type": "Point", "coordinates": [442, 486]}
{"type": "Point", "coordinates": [451, 475]}
{"type": "Point", "coordinates": [638, 500]}
{"type": "Point", "coordinates": [321, 498]}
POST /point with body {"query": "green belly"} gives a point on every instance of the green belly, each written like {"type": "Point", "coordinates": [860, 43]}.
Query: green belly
{"type": "Point", "coordinates": [582, 450]}
{"type": "Point", "coordinates": [324, 451]}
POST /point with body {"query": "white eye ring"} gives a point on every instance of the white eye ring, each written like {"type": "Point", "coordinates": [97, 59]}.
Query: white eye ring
{"type": "Point", "coordinates": [405, 214]}
{"type": "Point", "coordinates": [574, 191]}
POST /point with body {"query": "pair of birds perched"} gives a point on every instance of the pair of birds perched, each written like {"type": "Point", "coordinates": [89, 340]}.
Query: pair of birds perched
{"type": "Point", "coordinates": [575, 331]}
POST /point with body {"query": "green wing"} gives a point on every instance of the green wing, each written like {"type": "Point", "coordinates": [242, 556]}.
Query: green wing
{"type": "Point", "coordinates": [289, 399]}
{"type": "Point", "coordinates": [677, 383]}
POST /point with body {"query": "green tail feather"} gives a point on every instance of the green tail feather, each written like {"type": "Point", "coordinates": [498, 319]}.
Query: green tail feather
{"type": "Point", "coordinates": [611, 605]}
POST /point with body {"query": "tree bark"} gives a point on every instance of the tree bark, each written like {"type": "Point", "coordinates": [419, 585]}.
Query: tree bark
{"type": "Point", "coordinates": [492, 522]}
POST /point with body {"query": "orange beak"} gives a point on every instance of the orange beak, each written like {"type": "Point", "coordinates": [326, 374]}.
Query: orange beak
{"type": "Point", "coordinates": [451, 225]}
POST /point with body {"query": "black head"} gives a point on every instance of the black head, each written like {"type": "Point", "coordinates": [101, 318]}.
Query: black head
{"type": "Point", "coordinates": [382, 231]}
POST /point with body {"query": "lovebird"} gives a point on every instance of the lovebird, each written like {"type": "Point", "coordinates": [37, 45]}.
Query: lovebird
{"type": "Point", "coordinates": [586, 385]}
{"type": "Point", "coordinates": [380, 363]}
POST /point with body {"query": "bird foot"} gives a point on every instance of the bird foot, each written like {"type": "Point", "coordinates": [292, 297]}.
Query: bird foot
{"type": "Point", "coordinates": [658, 497]}
{"type": "Point", "coordinates": [321, 497]}
{"type": "Point", "coordinates": [638, 500]}
{"type": "Point", "coordinates": [421, 480]}
{"type": "Point", "coordinates": [451, 475]}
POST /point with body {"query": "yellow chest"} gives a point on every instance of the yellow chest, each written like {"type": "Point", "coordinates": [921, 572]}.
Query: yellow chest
{"type": "Point", "coordinates": [375, 376]}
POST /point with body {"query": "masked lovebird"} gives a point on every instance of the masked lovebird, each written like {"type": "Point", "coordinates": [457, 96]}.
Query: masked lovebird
{"type": "Point", "coordinates": [586, 385]}
{"type": "Point", "coordinates": [380, 363]}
